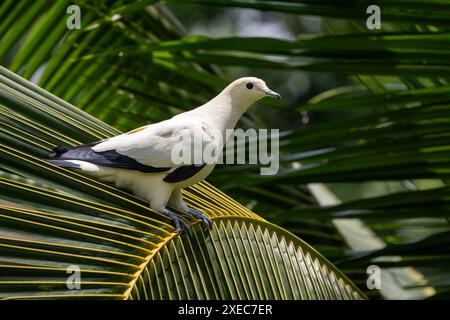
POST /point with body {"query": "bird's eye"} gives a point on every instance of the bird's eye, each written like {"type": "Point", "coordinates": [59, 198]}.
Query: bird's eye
{"type": "Point", "coordinates": [249, 85]}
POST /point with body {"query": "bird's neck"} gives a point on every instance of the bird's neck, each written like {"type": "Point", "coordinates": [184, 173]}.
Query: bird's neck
{"type": "Point", "coordinates": [225, 110]}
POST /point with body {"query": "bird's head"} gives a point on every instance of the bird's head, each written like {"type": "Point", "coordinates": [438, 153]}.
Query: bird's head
{"type": "Point", "coordinates": [248, 90]}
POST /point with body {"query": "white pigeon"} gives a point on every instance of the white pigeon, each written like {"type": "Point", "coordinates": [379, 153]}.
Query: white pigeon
{"type": "Point", "coordinates": [141, 160]}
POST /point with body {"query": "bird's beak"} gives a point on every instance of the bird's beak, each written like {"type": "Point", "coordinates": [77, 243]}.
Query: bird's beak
{"type": "Point", "coordinates": [272, 93]}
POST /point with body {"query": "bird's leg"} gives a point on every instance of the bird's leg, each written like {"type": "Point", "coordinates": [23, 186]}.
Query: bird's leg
{"type": "Point", "coordinates": [158, 201]}
{"type": "Point", "coordinates": [176, 201]}
{"type": "Point", "coordinates": [179, 223]}
{"type": "Point", "coordinates": [196, 213]}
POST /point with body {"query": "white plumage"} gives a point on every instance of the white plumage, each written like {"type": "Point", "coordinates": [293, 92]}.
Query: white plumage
{"type": "Point", "coordinates": [142, 162]}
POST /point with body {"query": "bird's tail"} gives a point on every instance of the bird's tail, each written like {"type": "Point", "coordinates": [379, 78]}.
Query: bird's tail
{"type": "Point", "coordinates": [58, 152]}
{"type": "Point", "coordinates": [64, 163]}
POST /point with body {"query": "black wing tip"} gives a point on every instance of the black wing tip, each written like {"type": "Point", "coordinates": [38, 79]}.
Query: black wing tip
{"type": "Point", "coordinates": [183, 173]}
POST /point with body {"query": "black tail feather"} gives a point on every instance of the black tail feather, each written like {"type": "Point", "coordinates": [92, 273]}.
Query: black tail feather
{"type": "Point", "coordinates": [58, 152]}
{"type": "Point", "coordinates": [63, 163]}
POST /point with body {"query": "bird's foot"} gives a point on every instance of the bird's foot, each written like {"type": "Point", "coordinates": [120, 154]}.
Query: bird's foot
{"type": "Point", "coordinates": [195, 213]}
{"type": "Point", "coordinates": [179, 223]}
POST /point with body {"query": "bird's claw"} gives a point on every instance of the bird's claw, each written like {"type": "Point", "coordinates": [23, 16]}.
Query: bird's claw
{"type": "Point", "coordinates": [180, 224]}
{"type": "Point", "coordinates": [197, 214]}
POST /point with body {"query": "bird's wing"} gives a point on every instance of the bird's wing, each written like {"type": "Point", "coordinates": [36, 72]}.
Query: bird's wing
{"type": "Point", "coordinates": [154, 145]}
